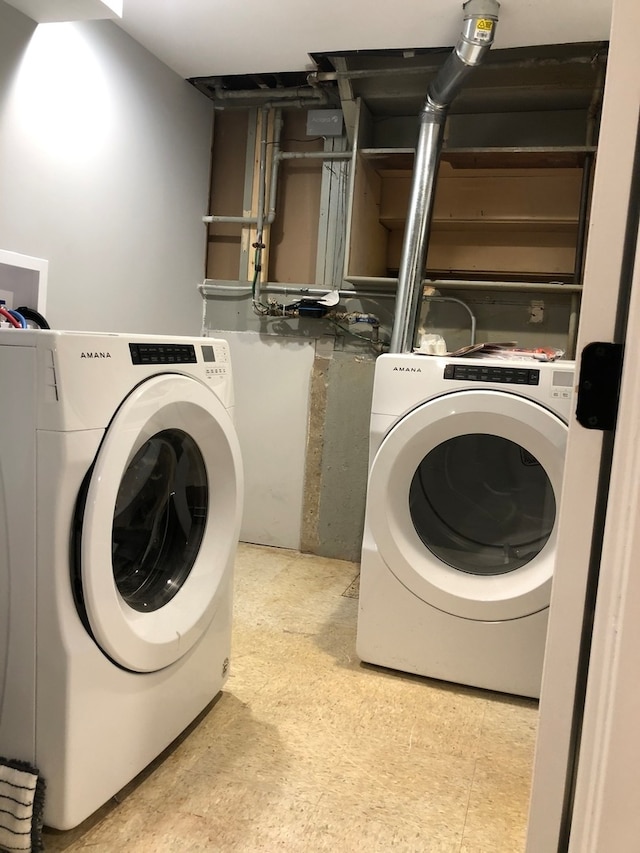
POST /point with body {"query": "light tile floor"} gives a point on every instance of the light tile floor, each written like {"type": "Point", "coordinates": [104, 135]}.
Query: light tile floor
{"type": "Point", "coordinates": [309, 750]}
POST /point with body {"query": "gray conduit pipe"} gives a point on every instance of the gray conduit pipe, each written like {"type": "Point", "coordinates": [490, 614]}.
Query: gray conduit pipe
{"type": "Point", "coordinates": [242, 289]}
{"type": "Point", "coordinates": [262, 168]}
{"type": "Point", "coordinates": [262, 190]}
{"type": "Point", "coordinates": [313, 93]}
{"type": "Point", "coordinates": [475, 40]}
{"type": "Point", "coordinates": [316, 155]}
{"type": "Point", "coordinates": [278, 123]}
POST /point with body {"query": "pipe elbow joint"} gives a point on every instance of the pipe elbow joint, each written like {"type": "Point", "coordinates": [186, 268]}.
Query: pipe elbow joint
{"type": "Point", "coordinates": [433, 111]}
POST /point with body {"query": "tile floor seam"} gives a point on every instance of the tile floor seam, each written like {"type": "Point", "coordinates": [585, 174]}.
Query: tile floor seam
{"type": "Point", "coordinates": [473, 779]}
{"type": "Point", "coordinates": [466, 811]}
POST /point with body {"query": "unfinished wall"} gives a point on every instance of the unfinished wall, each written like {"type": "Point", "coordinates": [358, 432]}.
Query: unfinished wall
{"type": "Point", "coordinates": [506, 220]}
{"type": "Point", "coordinates": [291, 242]}
{"type": "Point", "coordinates": [226, 195]}
{"type": "Point", "coordinates": [293, 238]}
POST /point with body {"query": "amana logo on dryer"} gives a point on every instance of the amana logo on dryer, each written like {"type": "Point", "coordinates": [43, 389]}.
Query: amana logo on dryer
{"type": "Point", "coordinates": [95, 355]}
{"type": "Point", "coordinates": [408, 369]}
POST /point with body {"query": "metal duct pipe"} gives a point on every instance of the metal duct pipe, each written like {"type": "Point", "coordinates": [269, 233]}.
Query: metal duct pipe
{"type": "Point", "coordinates": [475, 40]}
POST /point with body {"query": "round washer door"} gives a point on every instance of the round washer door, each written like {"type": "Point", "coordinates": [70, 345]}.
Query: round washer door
{"type": "Point", "coordinates": [462, 503]}
{"type": "Point", "coordinates": [161, 520]}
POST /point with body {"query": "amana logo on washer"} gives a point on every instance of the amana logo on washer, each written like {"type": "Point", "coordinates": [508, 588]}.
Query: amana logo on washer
{"type": "Point", "coordinates": [408, 369]}
{"type": "Point", "coordinates": [95, 355]}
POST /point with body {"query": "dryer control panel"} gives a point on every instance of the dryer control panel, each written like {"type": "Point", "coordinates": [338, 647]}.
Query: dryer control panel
{"type": "Point", "coordinates": [491, 373]}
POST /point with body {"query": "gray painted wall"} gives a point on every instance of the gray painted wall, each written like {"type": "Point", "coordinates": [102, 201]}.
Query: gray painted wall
{"type": "Point", "coordinates": [104, 172]}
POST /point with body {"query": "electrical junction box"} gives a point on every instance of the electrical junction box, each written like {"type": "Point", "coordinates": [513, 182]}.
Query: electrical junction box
{"type": "Point", "coordinates": [324, 123]}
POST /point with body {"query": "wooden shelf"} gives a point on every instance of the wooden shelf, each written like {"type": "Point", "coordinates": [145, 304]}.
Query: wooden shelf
{"type": "Point", "coordinates": [514, 211]}
{"type": "Point", "coordinates": [484, 158]}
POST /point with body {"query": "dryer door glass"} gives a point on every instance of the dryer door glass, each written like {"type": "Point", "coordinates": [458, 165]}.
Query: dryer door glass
{"type": "Point", "coordinates": [159, 520]}
{"type": "Point", "coordinates": [482, 504]}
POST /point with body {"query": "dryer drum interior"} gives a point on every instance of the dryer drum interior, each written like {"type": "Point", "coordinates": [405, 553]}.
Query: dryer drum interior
{"type": "Point", "coordinates": [482, 504]}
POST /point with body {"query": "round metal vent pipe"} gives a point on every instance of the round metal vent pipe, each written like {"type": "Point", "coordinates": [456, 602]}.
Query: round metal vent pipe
{"type": "Point", "coordinates": [477, 36]}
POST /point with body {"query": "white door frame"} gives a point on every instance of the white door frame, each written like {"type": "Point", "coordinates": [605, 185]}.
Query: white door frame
{"type": "Point", "coordinates": [606, 815]}
{"type": "Point", "coordinates": [582, 512]}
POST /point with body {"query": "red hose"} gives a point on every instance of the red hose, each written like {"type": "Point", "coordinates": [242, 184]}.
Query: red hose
{"type": "Point", "coordinates": [15, 323]}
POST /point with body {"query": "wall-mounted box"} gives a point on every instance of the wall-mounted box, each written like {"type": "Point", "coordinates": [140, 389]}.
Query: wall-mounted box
{"type": "Point", "coordinates": [324, 122]}
{"type": "Point", "coordinates": [23, 281]}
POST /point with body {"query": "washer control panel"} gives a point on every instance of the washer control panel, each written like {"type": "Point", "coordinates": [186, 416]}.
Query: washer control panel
{"type": "Point", "coordinates": [162, 353]}
{"type": "Point", "coordinates": [491, 373]}
{"type": "Point", "coordinates": [214, 357]}
{"type": "Point", "coordinates": [562, 384]}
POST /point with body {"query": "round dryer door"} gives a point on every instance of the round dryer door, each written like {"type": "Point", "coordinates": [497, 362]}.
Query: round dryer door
{"type": "Point", "coordinates": [161, 520]}
{"type": "Point", "coordinates": [463, 500]}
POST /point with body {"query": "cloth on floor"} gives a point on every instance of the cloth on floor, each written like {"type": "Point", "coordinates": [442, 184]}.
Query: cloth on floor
{"type": "Point", "coordinates": [21, 806]}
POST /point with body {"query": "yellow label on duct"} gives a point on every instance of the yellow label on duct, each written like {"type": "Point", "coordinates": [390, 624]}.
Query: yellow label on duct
{"type": "Point", "coordinates": [484, 29]}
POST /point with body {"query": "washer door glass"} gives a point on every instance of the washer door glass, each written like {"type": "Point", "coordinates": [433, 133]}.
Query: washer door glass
{"type": "Point", "coordinates": [160, 522]}
{"type": "Point", "coordinates": [159, 519]}
{"type": "Point", "coordinates": [482, 504]}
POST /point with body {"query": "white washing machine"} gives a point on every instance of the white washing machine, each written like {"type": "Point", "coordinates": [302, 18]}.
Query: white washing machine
{"type": "Point", "coordinates": [465, 472]}
{"type": "Point", "coordinates": [120, 504]}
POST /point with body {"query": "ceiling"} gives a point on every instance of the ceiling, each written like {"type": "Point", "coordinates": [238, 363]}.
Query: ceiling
{"type": "Point", "coordinates": [394, 83]}
{"type": "Point", "coordinates": [546, 53]}
{"type": "Point", "coordinates": [200, 38]}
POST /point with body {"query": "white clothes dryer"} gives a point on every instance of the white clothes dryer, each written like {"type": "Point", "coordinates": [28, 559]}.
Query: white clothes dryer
{"type": "Point", "coordinates": [465, 473]}
{"type": "Point", "coordinates": [120, 505]}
